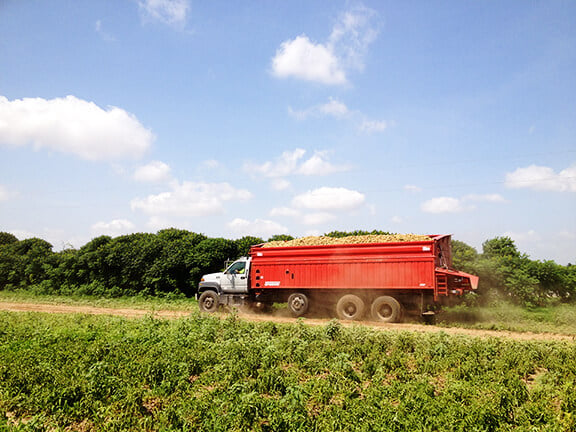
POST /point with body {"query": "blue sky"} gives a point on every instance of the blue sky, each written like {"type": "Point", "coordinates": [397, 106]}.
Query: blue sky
{"type": "Point", "coordinates": [302, 117]}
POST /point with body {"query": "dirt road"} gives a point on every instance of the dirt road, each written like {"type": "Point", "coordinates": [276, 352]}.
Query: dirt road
{"type": "Point", "coordinates": [135, 313]}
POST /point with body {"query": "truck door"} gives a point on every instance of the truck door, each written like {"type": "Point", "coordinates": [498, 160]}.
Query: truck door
{"type": "Point", "coordinates": [235, 279]}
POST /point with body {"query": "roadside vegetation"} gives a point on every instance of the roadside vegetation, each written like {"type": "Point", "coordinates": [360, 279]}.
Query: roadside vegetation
{"type": "Point", "coordinates": [96, 373]}
{"type": "Point", "coordinates": [147, 303]}
{"type": "Point", "coordinates": [559, 318]}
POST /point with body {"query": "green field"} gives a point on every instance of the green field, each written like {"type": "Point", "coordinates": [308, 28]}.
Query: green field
{"type": "Point", "coordinates": [96, 373]}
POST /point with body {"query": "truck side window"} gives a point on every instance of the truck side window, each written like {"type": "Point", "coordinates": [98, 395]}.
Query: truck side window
{"type": "Point", "coordinates": [237, 268]}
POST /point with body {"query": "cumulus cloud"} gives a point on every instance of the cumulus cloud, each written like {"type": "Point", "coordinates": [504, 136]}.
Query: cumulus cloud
{"type": "Point", "coordinates": [170, 12]}
{"type": "Point", "coordinates": [303, 59]}
{"type": "Point", "coordinates": [293, 163]}
{"type": "Point", "coordinates": [443, 205]}
{"type": "Point", "coordinates": [74, 126]}
{"type": "Point", "coordinates": [541, 178]}
{"type": "Point", "coordinates": [328, 62]}
{"type": "Point", "coordinates": [188, 199]}
{"type": "Point", "coordinates": [318, 165]}
{"type": "Point", "coordinates": [332, 108]}
{"type": "Point", "coordinates": [153, 172]}
{"type": "Point", "coordinates": [285, 164]}
{"type": "Point", "coordinates": [337, 109]}
{"type": "Point", "coordinates": [317, 218]}
{"type": "Point", "coordinates": [113, 228]}
{"type": "Point", "coordinates": [327, 199]}
{"type": "Point", "coordinates": [258, 227]}
{"type": "Point", "coordinates": [457, 205]}
{"type": "Point", "coordinates": [352, 34]}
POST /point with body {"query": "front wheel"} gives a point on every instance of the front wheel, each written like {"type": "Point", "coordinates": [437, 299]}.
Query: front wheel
{"type": "Point", "coordinates": [350, 307]}
{"type": "Point", "coordinates": [386, 309]}
{"type": "Point", "coordinates": [298, 304]}
{"type": "Point", "coordinates": [209, 301]}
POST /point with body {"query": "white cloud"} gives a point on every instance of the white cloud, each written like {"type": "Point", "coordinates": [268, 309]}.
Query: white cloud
{"type": "Point", "coordinates": [303, 59]}
{"type": "Point", "coordinates": [170, 12]}
{"type": "Point", "coordinates": [289, 163]}
{"type": "Point", "coordinates": [542, 178]}
{"type": "Point", "coordinates": [328, 63]}
{"type": "Point", "coordinates": [190, 199]}
{"type": "Point", "coordinates": [153, 172]}
{"type": "Point", "coordinates": [457, 205]}
{"type": "Point", "coordinates": [284, 165]}
{"type": "Point", "coordinates": [113, 228]}
{"type": "Point", "coordinates": [258, 227]}
{"type": "Point", "coordinates": [443, 205]}
{"type": "Point", "coordinates": [397, 219]}
{"type": "Point", "coordinates": [337, 109]}
{"type": "Point", "coordinates": [333, 108]}
{"type": "Point", "coordinates": [352, 35]}
{"type": "Point", "coordinates": [74, 126]}
{"type": "Point", "coordinates": [317, 218]}
{"type": "Point", "coordinates": [372, 126]}
{"type": "Point", "coordinates": [284, 211]}
{"type": "Point", "coordinates": [318, 165]}
{"type": "Point", "coordinates": [327, 198]}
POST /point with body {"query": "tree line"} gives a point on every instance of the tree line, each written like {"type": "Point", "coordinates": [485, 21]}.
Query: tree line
{"type": "Point", "coordinates": [172, 261]}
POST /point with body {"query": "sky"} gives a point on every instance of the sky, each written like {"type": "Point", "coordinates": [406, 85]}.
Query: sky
{"type": "Point", "coordinates": [271, 117]}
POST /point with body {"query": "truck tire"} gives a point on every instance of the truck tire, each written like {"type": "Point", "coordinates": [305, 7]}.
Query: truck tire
{"type": "Point", "coordinates": [350, 307]}
{"type": "Point", "coordinates": [298, 304]}
{"type": "Point", "coordinates": [209, 301]}
{"type": "Point", "coordinates": [386, 309]}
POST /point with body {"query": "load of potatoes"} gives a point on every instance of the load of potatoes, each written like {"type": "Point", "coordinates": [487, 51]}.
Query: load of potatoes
{"type": "Point", "coordinates": [360, 239]}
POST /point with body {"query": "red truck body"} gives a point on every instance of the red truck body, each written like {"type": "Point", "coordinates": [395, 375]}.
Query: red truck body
{"type": "Point", "coordinates": [380, 280]}
{"type": "Point", "coordinates": [419, 267]}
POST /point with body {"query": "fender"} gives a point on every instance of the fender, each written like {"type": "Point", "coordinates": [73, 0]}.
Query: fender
{"type": "Point", "coordinates": [206, 286]}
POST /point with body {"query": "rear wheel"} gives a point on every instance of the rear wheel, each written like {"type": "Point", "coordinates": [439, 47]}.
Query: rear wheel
{"type": "Point", "coordinates": [209, 301]}
{"type": "Point", "coordinates": [298, 304]}
{"type": "Point", "coordinates": [350, 307]}
{"type": "Point", "coordinates": [386, 309]}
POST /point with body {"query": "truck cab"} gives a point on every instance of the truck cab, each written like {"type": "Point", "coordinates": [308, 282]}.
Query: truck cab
{"type": "Point", "coordinates": [229, 287]}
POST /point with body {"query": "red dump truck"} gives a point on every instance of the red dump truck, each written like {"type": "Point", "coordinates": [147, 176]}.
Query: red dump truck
{"type": "Point", "coordinates": [354, 281]}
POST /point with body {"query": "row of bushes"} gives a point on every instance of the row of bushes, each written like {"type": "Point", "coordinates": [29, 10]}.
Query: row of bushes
{"type": "Point", "coordinates": [169, 262]}
{"type": "Point", "coordinates": [507, 273]}
{"type": "Point", "coordinates": [172, 261]}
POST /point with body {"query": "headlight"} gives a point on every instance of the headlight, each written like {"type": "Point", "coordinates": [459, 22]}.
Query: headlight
{"type": "Point", "coordinates": [202, 280]}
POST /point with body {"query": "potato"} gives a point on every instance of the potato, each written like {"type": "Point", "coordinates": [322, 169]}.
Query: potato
{"type": "Point", "coordinates": [362, 239]}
